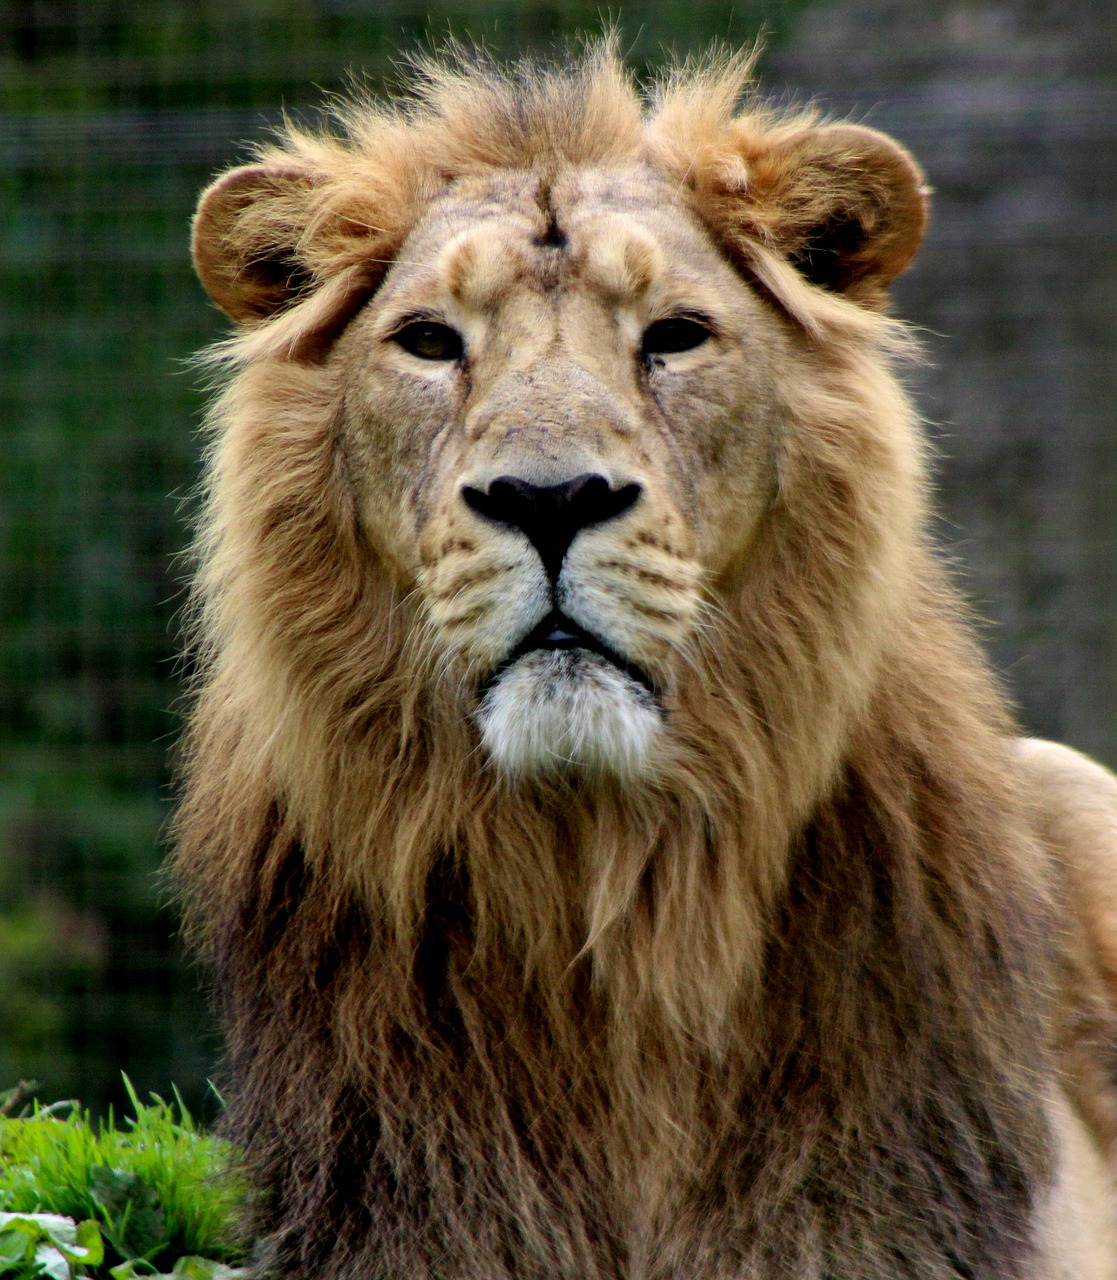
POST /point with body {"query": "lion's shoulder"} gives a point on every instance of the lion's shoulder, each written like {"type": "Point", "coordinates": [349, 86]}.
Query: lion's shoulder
{"type": "Point", "coordinates": [1074, 803]}
{"type": "Point", "coordinates": [1073, 800]}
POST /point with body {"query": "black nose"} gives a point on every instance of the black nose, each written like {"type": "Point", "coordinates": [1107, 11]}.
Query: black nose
{"type": "Point", "coordinates": [551, 516]}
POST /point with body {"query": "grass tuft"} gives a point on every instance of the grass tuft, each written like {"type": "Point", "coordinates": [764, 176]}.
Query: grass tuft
{"type": "Point", "coordinates": [160, 1190]}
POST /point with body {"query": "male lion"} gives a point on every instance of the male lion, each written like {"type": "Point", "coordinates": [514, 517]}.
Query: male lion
{"type": "Point", "coordinates": [614, 856]}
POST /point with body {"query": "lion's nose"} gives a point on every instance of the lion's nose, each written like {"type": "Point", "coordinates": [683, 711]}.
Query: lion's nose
{"type": "Point", "coordinates": [551, 516]}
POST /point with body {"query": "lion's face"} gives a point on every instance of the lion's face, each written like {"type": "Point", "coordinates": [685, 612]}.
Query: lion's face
{"type": "Point", "coordinates": [589, 391]}
{"type": "Point", "coordinates": [560, 415]}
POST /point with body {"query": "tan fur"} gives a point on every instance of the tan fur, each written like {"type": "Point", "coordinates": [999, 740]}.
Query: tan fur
{"type": "Point", "coordinates": [764, 979]}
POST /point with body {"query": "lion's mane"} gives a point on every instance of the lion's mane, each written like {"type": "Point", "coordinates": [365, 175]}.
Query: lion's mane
{"type": "Point", "coordinates": [793, 987]}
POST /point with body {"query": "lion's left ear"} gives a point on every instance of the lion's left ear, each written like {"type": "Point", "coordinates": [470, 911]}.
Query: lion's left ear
{"type": "Point", "coordinates": [845, 204]}
{"type": "Point", "coordinates": [245, 239]}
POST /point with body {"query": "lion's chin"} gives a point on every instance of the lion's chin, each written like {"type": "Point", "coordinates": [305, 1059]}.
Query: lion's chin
{"type": "Point", "coordinates": [568, 710]}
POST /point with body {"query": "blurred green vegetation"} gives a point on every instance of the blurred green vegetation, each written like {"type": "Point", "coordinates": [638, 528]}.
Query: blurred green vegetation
{"type": "Point", "coordinates": [112, 117]}
{"type": "Point", "coordinates": [86, 55]}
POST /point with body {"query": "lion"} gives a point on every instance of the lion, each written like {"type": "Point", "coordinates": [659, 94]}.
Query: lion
{"type": "Point", "coordinates": [613, 855]}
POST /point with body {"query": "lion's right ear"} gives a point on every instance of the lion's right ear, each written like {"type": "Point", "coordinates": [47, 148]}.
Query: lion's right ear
{"type": "Point", "coordinates": [246, 239]}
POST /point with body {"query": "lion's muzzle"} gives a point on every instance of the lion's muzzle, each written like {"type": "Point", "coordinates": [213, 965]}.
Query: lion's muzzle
{"type": "Point", "coordinates": [563, 696]}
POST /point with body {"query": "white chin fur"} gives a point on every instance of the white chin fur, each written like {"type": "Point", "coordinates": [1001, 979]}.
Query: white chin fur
{"type": "Point", "coordinates": [566, 709]}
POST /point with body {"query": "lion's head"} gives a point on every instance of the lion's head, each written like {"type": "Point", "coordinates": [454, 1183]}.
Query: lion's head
{"type": "Point", "coordinates": [567, 364]}
{"type": "Point", "coordinates": [563, 457]}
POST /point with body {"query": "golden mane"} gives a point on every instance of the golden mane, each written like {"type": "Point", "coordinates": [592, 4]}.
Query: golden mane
{"type": "Point", "coordinates": [518, 992]}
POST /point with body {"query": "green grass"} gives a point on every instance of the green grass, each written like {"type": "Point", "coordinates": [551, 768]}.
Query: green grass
{"type": "Point", "coordinates": [164, 1195]}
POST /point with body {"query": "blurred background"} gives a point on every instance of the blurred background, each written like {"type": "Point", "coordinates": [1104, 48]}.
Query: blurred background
{"type": "Point", "coordinates": [113, 114]}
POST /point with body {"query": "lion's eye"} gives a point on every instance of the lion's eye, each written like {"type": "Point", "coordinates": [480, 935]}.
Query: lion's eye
{"type": "Point", "coordinates": [430, 340]}
{"type": "Point", "coordinates": [672, 335]}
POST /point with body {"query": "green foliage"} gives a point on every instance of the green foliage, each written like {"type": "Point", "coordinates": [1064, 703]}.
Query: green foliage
{"type": "Point", "coordinates": [45, 947]}
{"type": "Point", "coordinates": [157, 1194]}
{"type": "Point", "coordinates": [48, 1245]}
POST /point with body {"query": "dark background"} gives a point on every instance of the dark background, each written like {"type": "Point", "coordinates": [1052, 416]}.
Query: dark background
{"type": "Point", "coordinates": [113, 115]}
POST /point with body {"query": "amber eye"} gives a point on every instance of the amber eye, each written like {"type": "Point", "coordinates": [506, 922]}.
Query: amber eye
{"type": "Point", "coordinates": [430, 340]}
{"type": "Point", "coordinates": [676, 333]}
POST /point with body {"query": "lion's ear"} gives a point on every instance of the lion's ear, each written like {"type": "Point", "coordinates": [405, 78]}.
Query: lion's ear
{"type": "Point", "coordinates": [246, 236]}
{"type": "Point", "coordinates": [845, 204]}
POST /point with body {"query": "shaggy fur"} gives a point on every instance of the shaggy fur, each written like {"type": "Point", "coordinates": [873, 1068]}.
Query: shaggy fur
{"type": "Point", "coordinates": [783, 1007]}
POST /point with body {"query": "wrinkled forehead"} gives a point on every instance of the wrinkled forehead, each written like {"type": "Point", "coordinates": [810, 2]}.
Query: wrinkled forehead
{"type": "Point", "coordinates": [620, 232]}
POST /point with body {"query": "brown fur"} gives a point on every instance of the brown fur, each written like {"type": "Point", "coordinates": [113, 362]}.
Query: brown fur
{"type": "Point", "coordinates": [783, 1007]}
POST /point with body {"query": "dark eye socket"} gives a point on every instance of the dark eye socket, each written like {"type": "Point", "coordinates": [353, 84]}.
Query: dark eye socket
{"type": "Point", "coordinates": [430, 340]}
{"type": "Point", "coordinates": [672, 335]}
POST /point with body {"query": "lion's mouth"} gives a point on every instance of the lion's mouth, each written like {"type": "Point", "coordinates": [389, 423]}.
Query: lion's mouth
{"type": "Point", "coordinates": [557, 633]}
